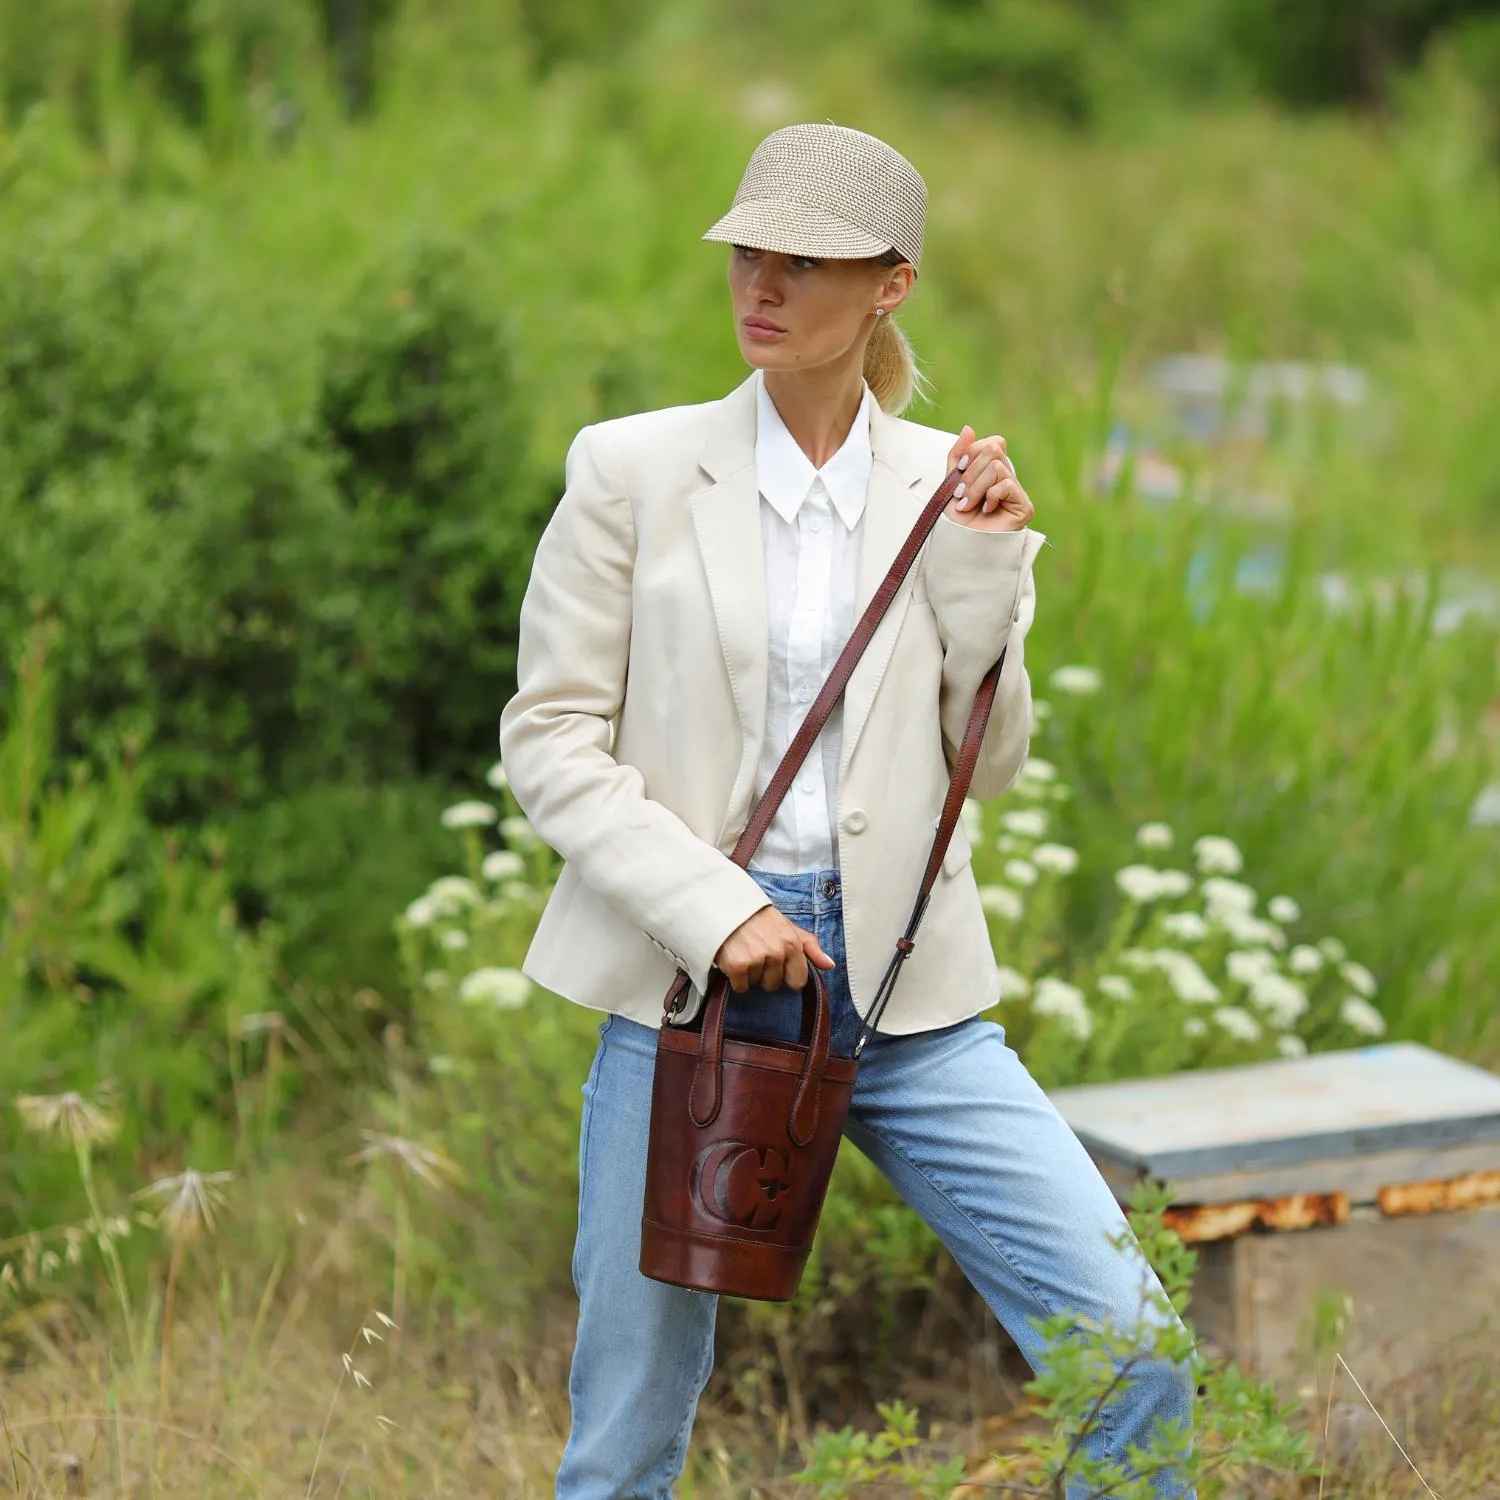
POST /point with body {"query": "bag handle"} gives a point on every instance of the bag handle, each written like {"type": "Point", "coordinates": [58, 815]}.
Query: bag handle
{"type": "Point", "coordinates": [811, 727]}
{"type": "Point", "coordinates": [708, 1077]}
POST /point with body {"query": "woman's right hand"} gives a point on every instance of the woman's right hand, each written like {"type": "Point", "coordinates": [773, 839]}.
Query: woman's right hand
{"type": "Point", "coordinates": [771, 951]}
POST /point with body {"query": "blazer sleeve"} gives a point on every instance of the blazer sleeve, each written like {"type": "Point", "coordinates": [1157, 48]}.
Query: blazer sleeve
{"type": "Point", "coordinates": [980, 588]}
{"type": "Point", "coordinates": [555, 733]}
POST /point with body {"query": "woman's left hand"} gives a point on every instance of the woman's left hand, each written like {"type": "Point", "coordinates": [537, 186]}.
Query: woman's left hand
{"type": "Point", "coordinates": [990, 497]}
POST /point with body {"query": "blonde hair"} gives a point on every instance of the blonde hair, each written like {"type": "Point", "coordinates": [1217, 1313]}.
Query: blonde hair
{"type": "Point", "coordinates": [891, 368]}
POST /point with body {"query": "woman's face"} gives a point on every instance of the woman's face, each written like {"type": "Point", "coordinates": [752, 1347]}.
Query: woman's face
{"type": "Point", "coordinates": [795, 313]}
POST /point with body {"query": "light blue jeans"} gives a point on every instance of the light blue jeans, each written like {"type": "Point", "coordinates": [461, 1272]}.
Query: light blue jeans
{"type": "Point", "coordinates": [967, 1138]}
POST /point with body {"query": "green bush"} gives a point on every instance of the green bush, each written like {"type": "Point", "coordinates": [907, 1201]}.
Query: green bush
{"type": "Point", "coordinates": [122, 964]}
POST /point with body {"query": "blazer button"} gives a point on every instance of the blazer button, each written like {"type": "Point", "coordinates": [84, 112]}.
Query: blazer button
{"type": "Point", "coordinates": [856, 822]}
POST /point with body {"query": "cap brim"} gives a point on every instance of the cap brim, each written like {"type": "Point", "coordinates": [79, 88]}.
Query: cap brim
{"type": "Point", "coordinates": [795, 229]}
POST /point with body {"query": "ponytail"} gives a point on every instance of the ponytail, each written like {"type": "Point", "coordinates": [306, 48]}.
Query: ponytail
{"type": "Point", "coordinates": [891, 369]}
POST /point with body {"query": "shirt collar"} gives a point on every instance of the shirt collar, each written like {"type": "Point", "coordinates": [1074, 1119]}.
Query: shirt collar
{"type": "Point", "coordinates": [786, 474]}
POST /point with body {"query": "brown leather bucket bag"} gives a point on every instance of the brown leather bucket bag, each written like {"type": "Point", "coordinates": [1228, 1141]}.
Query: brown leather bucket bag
{"type": "Point", "coordinates": [744, 1132]}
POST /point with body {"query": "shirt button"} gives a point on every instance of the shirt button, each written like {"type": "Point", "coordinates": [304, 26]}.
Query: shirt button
{"type": "Point", "coordinates": [815, 523]}
{"type": "Point", "coordinates": [806, 784]}
{"type": "Point", "coordinates": [856, 822]}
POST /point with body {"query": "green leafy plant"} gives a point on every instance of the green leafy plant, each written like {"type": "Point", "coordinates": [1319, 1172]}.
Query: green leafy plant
{"type": "Point", "coordinates": [1242, 1428]}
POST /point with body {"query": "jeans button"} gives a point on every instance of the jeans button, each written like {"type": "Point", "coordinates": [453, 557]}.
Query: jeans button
{"type": "Point", "coordinates": [830, 889]}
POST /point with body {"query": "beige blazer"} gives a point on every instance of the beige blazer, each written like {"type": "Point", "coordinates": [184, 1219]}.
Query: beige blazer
{"type": "Point", "coordinates": [633, 739]}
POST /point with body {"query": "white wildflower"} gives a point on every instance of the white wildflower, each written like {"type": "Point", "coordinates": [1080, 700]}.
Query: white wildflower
{"type": "Point", "coordinates": [1195, 1026]}
{"type": "Point", "coordinates": [1008, 843]}
{"type": "Point", "coordinates": [496, 777]}
{"type": "Point", "coordinates": [1115, 987]}
{"type": "Point", "coordinates": [1172, 885]}
{"type": "Point", "coordinates": [421, 912]}
{"type": "Point", "coordinates": [971, 815]}
{"type": "Point", "coordinates": [1056, 859]}
{"type": "Point", "coordinates": [1240, 1024]}
{"type": "Point", "coordinates": [1221, 895]}
{"type": "Point", "coordinates": [451, 894]}
{"type": "Point", "coordinates": [1014, 985]}
{"type": "Point", "coordinates": [1246, 965]}
{"type": "Point", "coordinates": [1001, 901]}
{"type": "Point", "coordinates": [1186, 977]}
{"type": "Point", "coordinates": [1185, 926]}
{"type": "Point", "coordinates": [1154, 836]}
{"type": "Point", "coordinates": [517, 891]}
{"type": "Point", "coordinates": [1283, 1001]}
{"type": "Point", "coordinates": [1305, 959]}
{"type": "Point", "coordinates": [469, 815]}
{"type": "Point", "coordinates": [1284, 909]}
{"type": "Point", "coordinates": [1041, 711]}
{"type": "Point", "coordinates": [502, 864]}
{"type": "Point", "coordinates": [1064, 1002]}
{"type": "Point", "coordinates": [1028, 822]}
{"type": "Point", "coordinates": [1141, 958]}
{"type": "Point", "coordinates": [1291, 1046]}
{"type": "Point", "coordinates": [1079, 682]}
{"type": "Point", "coordinates": [1333, 950]}
{"type": "Point", "coordinates": [1034, 768]}
{"type": "Point", "coordinates": [1358, 978]}
{"type": "Point", "coordinates": [1218, 856]}
{"type": "Point", "coordinates": [1244, 927]}
{"type": "Point", "coordinates": [1020, 871]}
{"type": "Point", "coordinates": [518, 833]}
{"type": "Point", "coordinates": [500, 989]}
{"type": "Point", "coordinates": [1138, 883]}
{"type": "Point", "coordinates": [1359, 1015]}
{"type": "Point", "coordinates": [1485, 812]}
{"type": "Point", "coordinates": [454, 940]}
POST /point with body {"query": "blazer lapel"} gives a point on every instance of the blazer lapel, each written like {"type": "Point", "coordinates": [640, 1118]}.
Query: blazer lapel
{"type": "Point", "coordinates": [892, 506]}
{"type": "Point", "coordinates": [726, 519]}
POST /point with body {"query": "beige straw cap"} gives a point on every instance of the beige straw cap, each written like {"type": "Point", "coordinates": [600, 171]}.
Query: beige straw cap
{"type": "Point", "coordinates": [829, 192]}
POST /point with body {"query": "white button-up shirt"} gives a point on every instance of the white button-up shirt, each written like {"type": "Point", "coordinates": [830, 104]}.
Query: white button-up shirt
{"type": "Point", "coordinates": [810, 528]}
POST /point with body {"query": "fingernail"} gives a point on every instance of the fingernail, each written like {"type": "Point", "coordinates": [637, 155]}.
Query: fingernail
{"type": "Point", "coordinates": [963, 463]}
{"type": "Point", "coordinates": [958, 494]}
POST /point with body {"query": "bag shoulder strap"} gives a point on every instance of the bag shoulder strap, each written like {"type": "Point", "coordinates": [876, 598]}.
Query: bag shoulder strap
{"type": "Point", "coordinates": [764, 811]}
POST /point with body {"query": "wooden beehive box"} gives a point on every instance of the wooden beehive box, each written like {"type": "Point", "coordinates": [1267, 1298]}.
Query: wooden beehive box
{"type": "Point", "coordinates": [1366, 1181]}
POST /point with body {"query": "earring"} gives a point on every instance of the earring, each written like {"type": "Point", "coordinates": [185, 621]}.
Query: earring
{"type": "Point", "coordinates": [879, 312]}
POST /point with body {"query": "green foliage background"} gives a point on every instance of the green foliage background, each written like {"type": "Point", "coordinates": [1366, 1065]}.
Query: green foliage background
{"type": "Point", "coordinates": [301, 304]}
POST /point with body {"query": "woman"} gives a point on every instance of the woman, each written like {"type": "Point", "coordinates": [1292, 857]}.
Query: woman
{"type": "Point", "coordinates": [694, 586]}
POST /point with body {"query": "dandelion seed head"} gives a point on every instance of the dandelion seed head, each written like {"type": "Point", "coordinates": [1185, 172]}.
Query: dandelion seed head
{"type": "Point", "coordinates": [69, 1115]}
{"type": "Point", "coordinates": [189, 1202]}
{"type": "Point", "coordinates": [410, 1156]}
